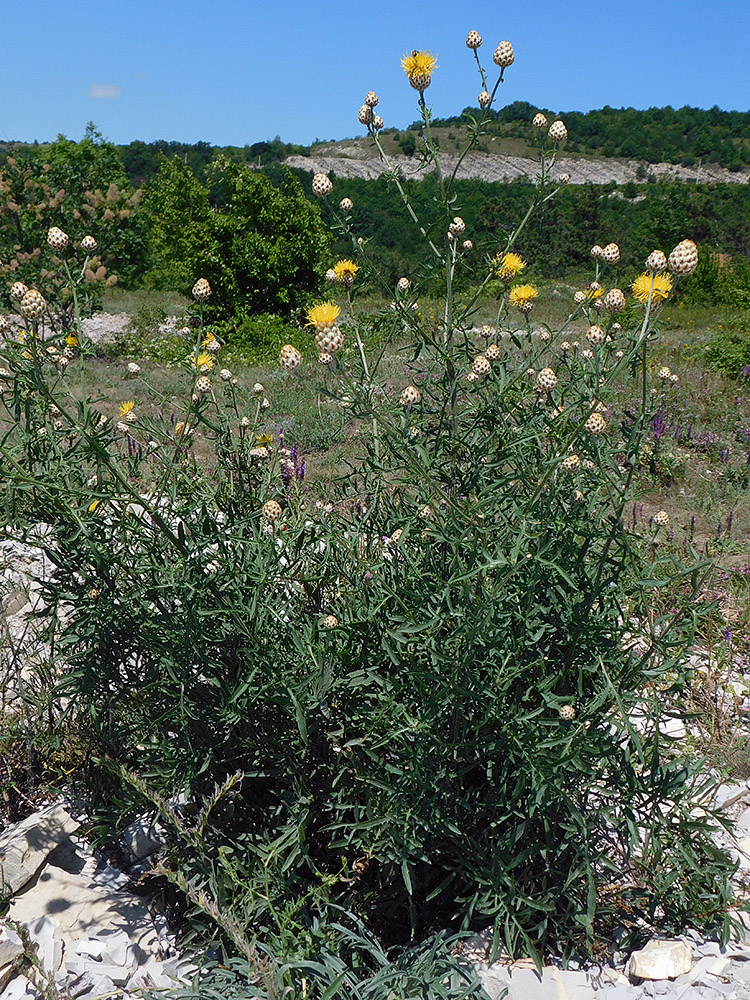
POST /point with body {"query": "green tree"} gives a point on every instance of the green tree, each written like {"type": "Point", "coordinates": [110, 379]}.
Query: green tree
{"type": "Point", "coordinates": [81, 188]}
{"type": "Point", "coordinates": [262, 247]}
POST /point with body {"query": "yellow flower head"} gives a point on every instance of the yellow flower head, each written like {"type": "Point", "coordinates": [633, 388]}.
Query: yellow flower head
{"type": "Point", "coordinates": [345, 271]}
{"type": "Point", "coordinates": [594, 291]}
{"type": "Point", "coordinates": [324, 314]}
{"type": "Point", "coordinates": [71, 340]}
{"type": "Point", "coordinates": [522, 296]}
{"type": "Point", "coordinates": [642, 286]}
{"type": "Point", "coordinates": [418, 66]}
{"type": "Point", "coordinates": [209, 339]}
{"type": "Point", "coordinates": [204, 362]}
{"type": "Point", "coordinates": [264, 439]}
{"type": "Point", "coordinates": [93, 506]}
{"type": "Point", "coordinates": [508, 266]}
{"type": "Point", "coordinates": [126, 408]}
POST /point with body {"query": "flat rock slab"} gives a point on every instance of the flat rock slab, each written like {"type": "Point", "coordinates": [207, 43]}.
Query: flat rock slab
{"type": "Point", "coordinates": [512, 983]}
{"type": "Point", "coordinates": [84, 908]}
{"type": "Point", "coordinates": [661, 960]}
{"type": "Point", "coordinates": [25, 846]}
{"type": "Point", "coordinates": [11, 945]}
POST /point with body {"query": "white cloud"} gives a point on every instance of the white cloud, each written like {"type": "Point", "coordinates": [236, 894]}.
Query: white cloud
{"type": "Point", "coordinates": [102, 90]}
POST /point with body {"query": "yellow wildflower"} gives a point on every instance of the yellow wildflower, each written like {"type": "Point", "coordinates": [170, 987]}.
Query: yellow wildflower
{"type": "Point", "coordinates": [345, 271]}
{"type": "Point", "coordinates": [522, 297]}
{"type": "Point", "coordinates": [127, 408]}
{"type": "Point", "coordinates": [418, 66]}
{"type": "Point", "coordinates": [594, 291]}
{"type": "Point", "coordinates": [324, 314]}
{"type": "Point", "coordinates": [204, 362]}
{"type": "Point", "coordinates": [508, 266]}
{"type": "Point", "coordinates": [642, 286]}
{"type": "Point", "coordinates": [264, 439]}
{"type": "Point", "coordinates": [71, 340]}
{"type": "Point", "coordinates": [93, 506]}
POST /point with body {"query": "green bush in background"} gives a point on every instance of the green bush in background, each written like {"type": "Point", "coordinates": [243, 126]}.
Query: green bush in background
{"type": "Point", "coordinates": [263, 248]}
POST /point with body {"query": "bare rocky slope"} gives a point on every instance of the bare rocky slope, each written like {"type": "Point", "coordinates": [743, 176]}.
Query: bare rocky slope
{"type": "Point", "coordinates": [355, 160]}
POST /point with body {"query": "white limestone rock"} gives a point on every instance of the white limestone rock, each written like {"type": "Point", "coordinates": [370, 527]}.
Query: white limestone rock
{"type": "Point", "coordinates": [46, 934]}
{"type": "Point", "coordinates": [11, 945]}
{"type": "Point", "coordinates": [661, 959]}
{"type": "Point", "coordinates": [20, 988]}
{"type": "Point", "coordinates": [87, 910]}
{"type": "Point", "coordinates": [25, 846]}
{"type": "Point", "coordinates": [143, 837]}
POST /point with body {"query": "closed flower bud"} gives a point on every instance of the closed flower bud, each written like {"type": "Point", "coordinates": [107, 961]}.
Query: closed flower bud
{"type": "Point", "coordinates": [611, 253]}
{"type": "Point", "coordinates": [557, 132]}
{"type": "Point", "coordinates": [481, 366]}
{"type": "Point", "coordinates": [596, 424]}
{"type": "Point", "coordinates": [546, 380]}
{"type": "Point", "coordinates": [57, 239]}
{"type": "Point", "coordinates": [684, 258]}
{"type": "Point", "coordinates": [473, 40]}
{"type": "Point", "coordinates": [410, 396]}
{"type": "Point", "coordinates": [321, 185]}
{"type": "Point", "coordinates": [272, 510]}
{"type": "Point", "coordinates": [201, 290]}
{"type": "Point", "coordinates": [504, 55]}
{"type": "Point", "coordinates": [32, 305]}
{"type": "Point", "coordinates": [290, 357]}
{"type": "Point", "coordinates": [656, 262]}
{"type": "Point", "coordinates": [614, 300]}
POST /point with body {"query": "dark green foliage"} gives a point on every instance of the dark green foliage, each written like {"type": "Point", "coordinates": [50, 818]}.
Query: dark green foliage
{"type": "Point", "coordinates": [262, 247]}
{"type": "Point", "coordinates": [685, 135]}
{"type": "Point", "coordinates": [410, 764]}
{"type": "Point", "coordinates": [81, 188]}
{"type": "Point", "coordinates": [558, 239]}
{"type": "Point", "coordinates": [141, 160]}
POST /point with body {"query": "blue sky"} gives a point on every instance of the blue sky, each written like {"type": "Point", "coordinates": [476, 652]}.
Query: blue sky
{"type": "Point", "coordinates": [239, 72]}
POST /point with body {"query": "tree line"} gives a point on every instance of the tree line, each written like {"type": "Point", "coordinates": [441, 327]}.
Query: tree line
{"type": "Point", "coordinates": [266, 242]}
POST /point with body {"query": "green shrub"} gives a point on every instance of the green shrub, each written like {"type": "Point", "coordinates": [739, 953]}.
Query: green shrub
{"type": "Point", "coordinates": [259, 337]}
{"type": "Point", "coordinates": [262, 248]}
{"type": "Point", "coordinates": [81, 188]}
{"type": "Point", "coordinates": [729, 350]}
